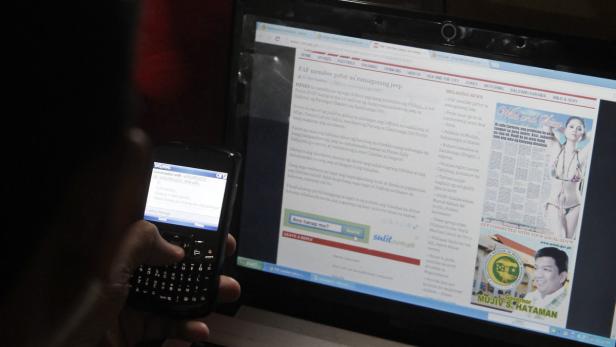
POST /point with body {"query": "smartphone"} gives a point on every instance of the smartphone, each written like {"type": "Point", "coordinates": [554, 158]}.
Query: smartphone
{"type": "Point", "coordinates": [190, 199]}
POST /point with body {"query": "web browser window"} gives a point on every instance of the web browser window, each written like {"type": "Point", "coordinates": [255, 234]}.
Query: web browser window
{"type": "Point", "coordinates": [437, 179]}
{"type": "Point", "coordinates": [185, 196]}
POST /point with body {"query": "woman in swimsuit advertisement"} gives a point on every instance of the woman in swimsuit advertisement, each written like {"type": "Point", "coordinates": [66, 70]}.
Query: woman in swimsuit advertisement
{"type": "Point", "coordinates": [569, 152]}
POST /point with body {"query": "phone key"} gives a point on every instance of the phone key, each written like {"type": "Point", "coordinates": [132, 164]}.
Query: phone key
{"type": "Point", "coordinates": [194, 299]}
{"type": "Point", "coordinates": [199, 243]}
{"type": "Point", "coordinates": [196, 253]}
{"type": "Point", "coordinates": [173, 238]}
{"type": "Point", "coordinates": [157, 273]}
{"type": "Point", "coordinates": [202, 298]}
{"type": "Point", "coordinates": [199, 250]}
{"type": "Point", "coordinates": [185, 299]}
{"type": "Point", "coordinates": [155, 284]}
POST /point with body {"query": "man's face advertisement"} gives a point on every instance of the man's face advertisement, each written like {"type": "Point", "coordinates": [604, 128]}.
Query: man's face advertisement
{"type": "Point", "coordinates": [547, 277]}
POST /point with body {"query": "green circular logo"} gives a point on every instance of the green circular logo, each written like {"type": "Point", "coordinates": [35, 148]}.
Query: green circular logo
{"type": "Point", "coordinates": [503, 269]}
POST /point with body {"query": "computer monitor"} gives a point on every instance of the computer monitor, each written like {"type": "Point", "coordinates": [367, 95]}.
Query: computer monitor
{"type": "Point", "coordinates": [408, 170]}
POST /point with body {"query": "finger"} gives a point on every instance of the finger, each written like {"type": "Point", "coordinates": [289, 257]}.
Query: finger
{"type": "Point", "coordinates": [229, 289]}
{"type": "Point", "coordinates": [193, 331]}
{"type": "Point", "coordinates": [230, 245]}
{"type": "Point", "coordinates": [144, 245]}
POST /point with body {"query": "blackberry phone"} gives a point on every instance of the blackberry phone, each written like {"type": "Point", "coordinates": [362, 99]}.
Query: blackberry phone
{"type": "Point", "coordinates": [190, 199]}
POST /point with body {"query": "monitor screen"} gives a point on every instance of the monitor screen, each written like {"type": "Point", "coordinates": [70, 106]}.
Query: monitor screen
{"type": "Point", "coordinates": [449, 181]}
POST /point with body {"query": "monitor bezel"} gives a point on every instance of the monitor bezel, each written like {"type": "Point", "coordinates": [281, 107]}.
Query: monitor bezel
{"type": "Point", "coordinates": [355, 311]}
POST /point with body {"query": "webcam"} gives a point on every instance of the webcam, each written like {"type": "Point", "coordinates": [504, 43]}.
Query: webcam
{"type": "Point", "coordinates": [449, 32]}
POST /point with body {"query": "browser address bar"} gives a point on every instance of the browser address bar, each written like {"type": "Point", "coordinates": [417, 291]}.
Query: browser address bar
{"type": "Point", "coordinates": [367, 53]}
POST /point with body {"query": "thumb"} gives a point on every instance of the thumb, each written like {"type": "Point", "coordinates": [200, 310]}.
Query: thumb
{"type": "Point", "coordinates": [142, 245]}
{"type": "Point", "coordinates": [104, 299]}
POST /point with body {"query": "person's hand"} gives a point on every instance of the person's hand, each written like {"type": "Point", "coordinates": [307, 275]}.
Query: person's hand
{"type": "Point", "coordinates": [549, 122]}
{"type": "Point", "coordinates": [110, 323]}
{"type": "Point", "coordinates": [72, 290]}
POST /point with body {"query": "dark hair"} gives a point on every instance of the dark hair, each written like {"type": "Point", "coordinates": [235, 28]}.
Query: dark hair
{"type": "Point", "coordinates": [560, 257]}
{"type": "Point", "coordinates": [73, 91]}
{"type": "Point", "coordinates": [71, 83]}
{"type": "Point", "coordinates": [580, 120]}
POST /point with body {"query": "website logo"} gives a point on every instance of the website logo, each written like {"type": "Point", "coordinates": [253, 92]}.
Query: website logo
{"type": "Point", "coordinates": [383, 238]}
{"type": "Point", "coordinates": [389, 239]}
{"type": "Point", "coordinates": [503, 269]}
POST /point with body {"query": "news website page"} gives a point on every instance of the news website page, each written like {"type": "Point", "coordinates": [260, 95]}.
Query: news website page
{"type": "Point", "coordinates": [437, 179]}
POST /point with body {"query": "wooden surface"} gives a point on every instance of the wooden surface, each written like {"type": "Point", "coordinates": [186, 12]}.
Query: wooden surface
{"type": "Point", "coordinates": [253, 327]}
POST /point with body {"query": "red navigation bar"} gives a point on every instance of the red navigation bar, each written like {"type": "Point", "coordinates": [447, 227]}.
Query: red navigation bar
{"type": "Point", "coordinates": [450, 78]}
{"type": "Point", "coordinates": [351, 248]}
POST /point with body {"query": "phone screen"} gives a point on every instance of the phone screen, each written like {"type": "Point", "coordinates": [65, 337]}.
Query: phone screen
{"type": "Point", "coordinates": [185, 196]}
